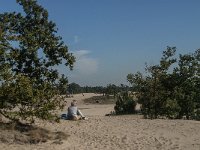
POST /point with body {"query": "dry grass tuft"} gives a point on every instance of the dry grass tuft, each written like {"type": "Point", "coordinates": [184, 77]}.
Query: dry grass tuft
{"type": "Point", "coordinates": [27, 134]}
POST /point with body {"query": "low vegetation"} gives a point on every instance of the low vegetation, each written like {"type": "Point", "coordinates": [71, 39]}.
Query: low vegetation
{"type": "Point", "coordinates": [125, 104]}
{"type": "Point", "coordinates": [27, 134]}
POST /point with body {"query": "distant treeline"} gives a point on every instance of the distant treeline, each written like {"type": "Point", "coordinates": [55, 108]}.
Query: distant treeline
{"type": "Point", "coordinates": [74, 88]}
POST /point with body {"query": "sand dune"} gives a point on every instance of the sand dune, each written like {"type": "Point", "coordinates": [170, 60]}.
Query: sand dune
{"type": "Point", "coordinates": [128, 132]}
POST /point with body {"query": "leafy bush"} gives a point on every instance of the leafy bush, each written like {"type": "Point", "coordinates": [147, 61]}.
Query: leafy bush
{"type": "Point", "coordinates": [172, 109]}
{"type": "Point", "coordinates": [171, 88]}
{"type": "Point", "coordinates": [21, 100]}
{"type": "Point", "coordinates": [125, 104]}
{"type": "Point", "coordinates": [197, 115]}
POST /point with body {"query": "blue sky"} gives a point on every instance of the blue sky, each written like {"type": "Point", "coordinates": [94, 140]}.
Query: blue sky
{"type": "Point", "coordinates": [112, 38]}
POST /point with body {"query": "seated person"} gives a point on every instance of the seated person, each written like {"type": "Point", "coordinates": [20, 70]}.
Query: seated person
{"type": "Point", "coordinates": [74, 113]}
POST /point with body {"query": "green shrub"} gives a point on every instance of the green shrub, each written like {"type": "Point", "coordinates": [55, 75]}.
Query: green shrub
{"type": "Point", "coordinates": [172, 109]}
{"type": "Point", "coordinates": [197, 115]}
{"type": "Point", "coordinates": [125, 104]}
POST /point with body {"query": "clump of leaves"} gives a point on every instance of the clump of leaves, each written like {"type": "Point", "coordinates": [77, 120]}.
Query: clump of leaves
{"type": "Point", "coordinates": [125, 104]}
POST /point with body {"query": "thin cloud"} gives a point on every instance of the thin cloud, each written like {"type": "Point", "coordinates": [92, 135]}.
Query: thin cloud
{"type": "Point", "coordinates": [84, 64]}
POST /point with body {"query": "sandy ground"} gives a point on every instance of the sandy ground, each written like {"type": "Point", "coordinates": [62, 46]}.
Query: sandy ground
{"type": "Point", "coordinates": [128, 132]}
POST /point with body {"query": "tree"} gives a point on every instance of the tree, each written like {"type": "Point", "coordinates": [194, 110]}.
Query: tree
{"type": "Point", "coordinates": [29, 51]}
{"type": "Point", "coordinates": [188, 79]}
{"type": "Point", "coordinates": [169, 91]}
{"type": "Point", "coordinates": [112, 89]}
{"type": "Point", "coordinates": [74, 88]}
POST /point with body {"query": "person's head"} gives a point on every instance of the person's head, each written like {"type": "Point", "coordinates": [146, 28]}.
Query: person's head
{"type": "Point", "coordinates": [74, 103]}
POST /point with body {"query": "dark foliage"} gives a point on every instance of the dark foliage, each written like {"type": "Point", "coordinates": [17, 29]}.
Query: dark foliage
{"type": "Point", "coordinates": [29, 51]}
{"type": "Point", "coordinates": [171, 88]}
{"type": "Point", "coordinates": [125, 104]}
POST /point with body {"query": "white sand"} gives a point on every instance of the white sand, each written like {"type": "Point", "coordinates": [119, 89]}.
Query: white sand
{"type": "Point", "coordinates": [128, 132]}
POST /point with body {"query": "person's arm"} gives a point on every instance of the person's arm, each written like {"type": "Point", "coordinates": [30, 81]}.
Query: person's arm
{"type": "Point", "coordinates": [80, 113]}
